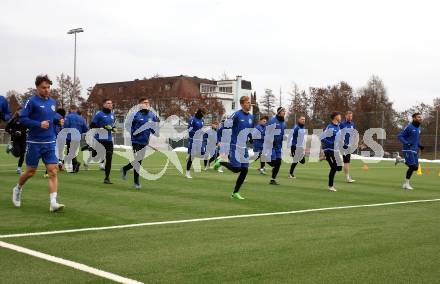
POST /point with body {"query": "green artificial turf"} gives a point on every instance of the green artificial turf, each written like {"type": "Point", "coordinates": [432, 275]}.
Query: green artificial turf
{"type": "Point", "coordinates": [399, 243]}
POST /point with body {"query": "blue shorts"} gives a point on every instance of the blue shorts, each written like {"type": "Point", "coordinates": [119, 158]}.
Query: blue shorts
{"type": "Point", "coordinates": [233, 160]}
{"type": "Point", "coordinates": [276, 154]}
{"type": "Point", "coordinates": [37, 151]}
{"type": "Point", "coordinates": [257, 146]}
{"type": "Point", "coordinates": [196, 143]}
{"type": "Point", "coordinates": [411, 158]}
{"type": "Point", "coordinates": [257, 149]}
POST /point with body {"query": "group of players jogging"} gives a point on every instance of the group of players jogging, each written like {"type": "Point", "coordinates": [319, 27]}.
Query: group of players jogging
{"type": "Point", "coordinates": [34, 128]}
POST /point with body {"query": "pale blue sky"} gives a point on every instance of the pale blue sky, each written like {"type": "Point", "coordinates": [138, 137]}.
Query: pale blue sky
{"type": "Point", "coordinates": [271, 43]}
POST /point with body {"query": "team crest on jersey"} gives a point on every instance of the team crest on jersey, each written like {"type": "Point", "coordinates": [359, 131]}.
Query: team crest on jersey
{"type": "Point", "coordinates": [250, 121]}
{"type": "Point", "coordinates": [52, 107]}
{"type": "Point", "coordinates": [112, 116]}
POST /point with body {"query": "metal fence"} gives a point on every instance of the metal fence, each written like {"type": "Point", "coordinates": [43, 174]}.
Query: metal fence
{"type": "Point", "coordinates": [363, 121]}
{"type": "Point", "coordinates": [392, 125]}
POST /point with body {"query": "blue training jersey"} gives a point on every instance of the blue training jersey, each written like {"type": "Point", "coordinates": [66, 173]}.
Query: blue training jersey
{"type": "Point", "coordinates": [194, 125]}
{"type": "Point", "coordinates": [298, 131]}
{"type": "Point", "coordinates": [141, 118]}
{"type": "Point", "coordinates": [5, 113]}
{"type": "Point", "coordinates": [239, 121]}
{"type": "Point", "coordinates": [102, 119]}
{"type": "Point", "coordinates": [410, 137]}
{"type": "Point", "coordinates": [74, 120]}
{"type": "Point", "coordinates": [329, 142]}
{"type": "Point", "coordinates": [348, 125]}
{"type": "Point", "coordinates": [258, 143]}
{"type": "Point", "coordinates": [278, 138]}
{"type": "Point", "coordinates": [36, 110]}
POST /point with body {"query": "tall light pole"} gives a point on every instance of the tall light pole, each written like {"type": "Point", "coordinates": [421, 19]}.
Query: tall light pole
{"type": "Point", "coordinates": [74, 32]}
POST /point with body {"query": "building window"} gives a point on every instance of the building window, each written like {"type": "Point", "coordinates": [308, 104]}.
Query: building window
{"type": "Point", "coordinates": [233, 105]}
{"type": "Point", "coordinates": [121, 90]}
{"type": "Point", "coordinates": [225, 90]}
{"type": "Point", "coordinates": [168, 86]}
{"type": "Point", "coordinates": [100, 91]}
{"type": "Point", "coordinates": [205, 88]}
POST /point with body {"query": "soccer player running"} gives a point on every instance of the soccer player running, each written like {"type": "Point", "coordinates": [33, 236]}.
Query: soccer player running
{"type": "Point", "coordinates": [238, 121]}
{"type": "Point", "coordinates": [105, 119]}
{"type": "Point", "coordinates": [410, 139]}
{"type": "Point", "coordinates": [258, 143]}
{"type": "Point", "coordinates": [330, 139]}
{"type": "Point", "coordinates": [144, 117]}
{"type": "Point", "coordinates": [76, 121]}
{"type": "Point", "coordinates": [39, 116]}
{"type": "Point", "coordinates": [275, 159]}
{"type": "Point", "coordinates": [347, 124]}
{"type": "Point", "coordinates": [195, 123]}
{"type": "Point", "coordinates": [18, 136]}
{"type": "Point", "coordinates": [298, 131]}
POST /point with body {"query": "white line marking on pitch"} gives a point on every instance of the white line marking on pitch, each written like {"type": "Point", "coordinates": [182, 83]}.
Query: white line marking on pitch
{"type": "Point", "coordinates": [213, 218]}
{"type": "Point", "coordinates": [72, 264]}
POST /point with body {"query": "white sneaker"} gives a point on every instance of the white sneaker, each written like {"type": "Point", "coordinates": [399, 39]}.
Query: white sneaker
{"type": "Point", "coordinates": [188, 175]}
{"type": "Point", "coordinates": [291, 177]}
{"type": "Point", "coordinates": [16, 196]}
{"type": "Point", "coordinates": [407, 186]}
{"type": "Point", "coordinates": [102, 167]}
{"type": "Point", "coordinates": [220, 170]}
{"type": "Point", "coordinates": [332, 189]}
{"type": "Point", "coordinates": [350, 180]}
{"type": "Point", "coordinates": [137, 186]}
{"type": "Point", "coordinates": [19, 170]}
{"type": "Point", "coordinates": [56, 207]}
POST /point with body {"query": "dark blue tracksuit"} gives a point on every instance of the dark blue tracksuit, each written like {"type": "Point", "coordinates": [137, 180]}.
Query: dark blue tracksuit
{"type": "Point", "coordinates": [331, 149]}
{"type": "Point", "coordinates": [410, 139]}
{"type": "Point", "coordinates": [105, 119]}
{"type": "Point", "coordinates": [144, 124]}
{"type": "Point", "coordinates": [194, 125]}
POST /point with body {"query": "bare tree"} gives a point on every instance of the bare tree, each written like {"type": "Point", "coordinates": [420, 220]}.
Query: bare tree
{"type": "Point", "coordinates": [268, 102]}
{"type": "Point", "coordinates": [373, 107]}
{"type": "Point", "coordinates": [224, 76]}
{"type": "Point", "coordinates": [299, 105]}
{"type": "Point", "coordinates": [13, 98]}
{"type": "Point", "coordinates": [68, 93]}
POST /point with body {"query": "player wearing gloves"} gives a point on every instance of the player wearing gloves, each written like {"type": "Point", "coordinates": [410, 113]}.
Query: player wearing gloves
{"type": "Point", "coordinates": [410, 139]}
{"type": "Point", "coordinates": [105, 119]}
{"type": "Point", "coordinates": [18, 137]}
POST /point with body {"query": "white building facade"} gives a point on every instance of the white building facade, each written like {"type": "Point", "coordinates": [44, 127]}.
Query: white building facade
{"type": "Point", "coordinates": [228, 92]}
